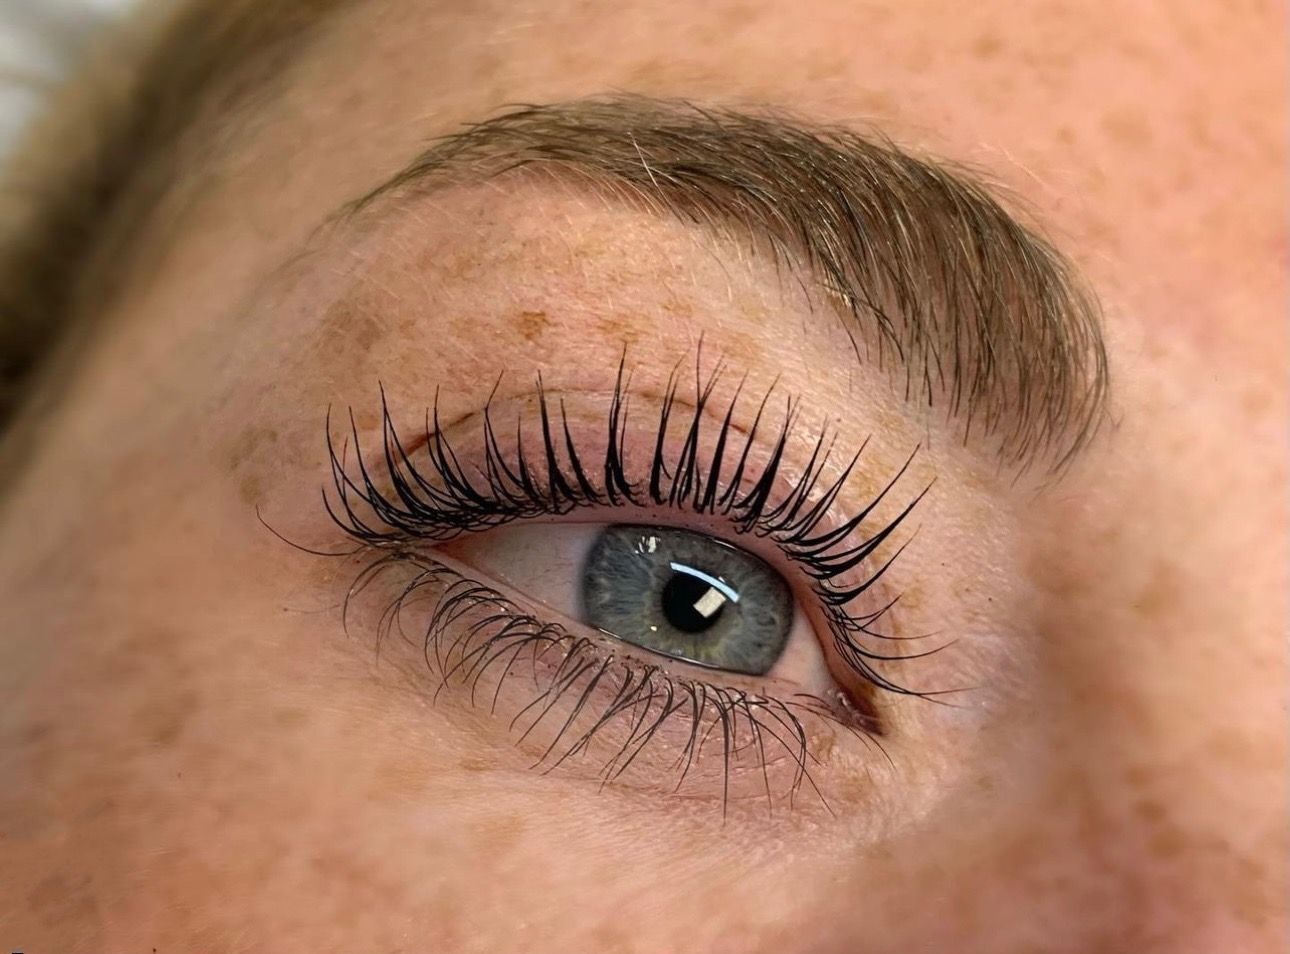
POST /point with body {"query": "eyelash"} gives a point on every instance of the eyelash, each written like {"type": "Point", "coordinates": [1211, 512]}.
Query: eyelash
{"type": "Point", "coordinates": [643, 694]}
{"type": "Point", "coordinates": [520, 484]}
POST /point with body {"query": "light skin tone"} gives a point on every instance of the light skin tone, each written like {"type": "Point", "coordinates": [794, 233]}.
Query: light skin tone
{"type": "Point", "coordinates": [205, 760]}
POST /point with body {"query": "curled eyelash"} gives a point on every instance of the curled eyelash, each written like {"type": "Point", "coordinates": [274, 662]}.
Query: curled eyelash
{"type": "Point", "coordinates": [448, 498]}
{"type": "Point", "coordinates": [472, 632]}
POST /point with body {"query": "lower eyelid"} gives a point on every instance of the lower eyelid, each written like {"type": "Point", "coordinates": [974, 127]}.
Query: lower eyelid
{"type": "Point", "coordinates": [574, 701]}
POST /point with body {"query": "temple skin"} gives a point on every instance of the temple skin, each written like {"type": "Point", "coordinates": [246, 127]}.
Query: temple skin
{"type": "Point", "coordinates": [203, 761]}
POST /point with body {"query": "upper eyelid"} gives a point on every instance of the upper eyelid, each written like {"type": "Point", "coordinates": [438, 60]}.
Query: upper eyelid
{"type": "Point", "coordinates": [984, 315]}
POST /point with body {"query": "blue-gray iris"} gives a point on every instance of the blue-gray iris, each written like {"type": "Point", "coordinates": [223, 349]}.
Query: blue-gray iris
{"type": "Point", "coordinates": [688, 596]}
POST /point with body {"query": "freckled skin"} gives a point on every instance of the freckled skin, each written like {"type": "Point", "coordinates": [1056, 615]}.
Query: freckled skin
{"type": "Point", "coordinates": [200, 759]}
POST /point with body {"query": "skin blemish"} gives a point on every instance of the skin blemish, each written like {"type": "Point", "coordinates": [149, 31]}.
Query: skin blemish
{"type": "Point", "coordinates": [249, 489]}
{"type": "Point", "coordinates": [350, 329]}
{"type": "Point", "coordinates": [250, 441]}
{"type": "Point", "coordinates": [986, 46]}
{"type": "Point", "coordinates": [617, 328]}
{"type": "Point", "coordinates": [531, 324]}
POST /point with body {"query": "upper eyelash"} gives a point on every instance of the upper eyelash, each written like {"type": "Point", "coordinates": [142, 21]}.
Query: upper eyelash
{"type": "Point", "coordinates": [503, 491]}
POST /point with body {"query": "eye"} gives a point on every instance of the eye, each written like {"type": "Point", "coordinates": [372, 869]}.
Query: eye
{"type": "Point", "coordinates": [719, 640]}
{"type": "Point", "coordinates": [687, 596]}
{"type": "Point", "coordinates": [676, 594]}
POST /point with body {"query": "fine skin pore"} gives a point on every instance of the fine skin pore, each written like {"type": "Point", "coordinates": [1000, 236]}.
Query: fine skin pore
{"type": "Point", "coordinates": [201, 759]}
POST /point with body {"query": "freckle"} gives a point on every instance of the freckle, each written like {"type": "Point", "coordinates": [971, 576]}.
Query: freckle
{"type": "Point", "coordinates": [36, 733]}
{"type": "Point", "coordinates": [162, 720]}
{"type": "Point", "coordinates": [1257, 401]}
{"type": "Point", "coordinates": [880, 105]}
{"type": "Point", "coordinates": [499, 833]}
{"type": "Point", "coordinates": [347, 328]}
{"type": "Point", "coordinates": [397, 778]}
{"type": "Point", "coordinates": [1257, 902]}
{"type": "Point", "coordinates": [59, 900]}
{"type": "Point", "coordinates": [470, 764]}
{"type": "Point", "coordinates": [1167, 842]}
{"type": "Point", "coordinates": [986, 46]}
{"type": "Point", "coordinates": [1161, 593]}
{"type": "Point", "coordinates": [1239, 755]}
{"type": "Point", "coordinates": [291, 718]}
{"type": "Point", "coordinates": [678, 307]}
{"type": "Point", "coordinates": [618, 329]}
{"type": "Point", "coordinates": [248, 442]}
{"type": "Point", "coordinates": [1127, 127]}
{"type": "Point", "coordinates": [912, 598]}
{"type": "Point", "coordinates": [647, 72]}
{"type": "Point", "coordinates": [531, 324]}
{"type": "Point", "coordinates": [249, 489]}
{"type": "Point", "coordinates": [1150, 810]}
{"type": "Point", "coordinates": [826, 69]}
{"type": "Point", "coordinates": [1139, 775]}
{"type": "Point", "coordinates": [610, 939]}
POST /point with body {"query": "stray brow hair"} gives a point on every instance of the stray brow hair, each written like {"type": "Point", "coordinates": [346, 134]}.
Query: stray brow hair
{"type": "Point", "coordinates": [981, 314]}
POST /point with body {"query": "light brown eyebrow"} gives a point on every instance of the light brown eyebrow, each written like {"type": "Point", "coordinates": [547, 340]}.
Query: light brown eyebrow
{"type": "Point", "coordinates": [983, 317]}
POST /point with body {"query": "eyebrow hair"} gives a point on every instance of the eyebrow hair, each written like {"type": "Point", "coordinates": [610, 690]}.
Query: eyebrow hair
{"type": "Point", "coordinates": [982, 315]}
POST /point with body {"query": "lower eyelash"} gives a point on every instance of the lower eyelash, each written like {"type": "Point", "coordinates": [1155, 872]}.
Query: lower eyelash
{"type": "Point", "coordinates": [587, 690]}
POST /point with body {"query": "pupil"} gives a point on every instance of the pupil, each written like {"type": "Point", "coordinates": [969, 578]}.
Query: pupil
{"type": "Point", "coordinates": [691, 604]}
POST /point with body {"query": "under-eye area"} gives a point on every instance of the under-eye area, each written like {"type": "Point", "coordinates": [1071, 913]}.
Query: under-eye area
{"type": "Point", "coordinates": [683, 591]}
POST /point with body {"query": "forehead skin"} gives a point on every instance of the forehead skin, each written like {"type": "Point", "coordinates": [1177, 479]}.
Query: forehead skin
{"type": "Point", "coordinates": [1147, 138]}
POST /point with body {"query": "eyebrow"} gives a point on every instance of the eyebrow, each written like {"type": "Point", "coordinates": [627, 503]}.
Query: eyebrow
{"type": "Point", "coordinates": [980, 315]}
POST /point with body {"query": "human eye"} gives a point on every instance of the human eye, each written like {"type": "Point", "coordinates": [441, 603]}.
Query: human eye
{"type": "Point", "coordinates": [676, 591]}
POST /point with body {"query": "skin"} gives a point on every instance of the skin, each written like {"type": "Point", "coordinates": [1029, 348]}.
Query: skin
{"type": "Point", "coordinates": [204, 760]}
